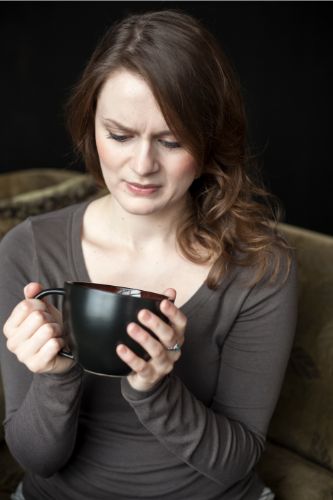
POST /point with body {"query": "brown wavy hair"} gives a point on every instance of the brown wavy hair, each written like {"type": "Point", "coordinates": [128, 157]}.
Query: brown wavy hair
{"type": "Point", "coordinates": [231, 221]}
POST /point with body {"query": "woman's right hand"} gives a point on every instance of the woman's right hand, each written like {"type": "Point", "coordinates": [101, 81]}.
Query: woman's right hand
{"type": "Point", "coordinates": [34, 334]}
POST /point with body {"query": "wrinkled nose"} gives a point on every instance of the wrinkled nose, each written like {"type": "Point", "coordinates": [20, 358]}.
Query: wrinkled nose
{"type": "Point", "coordinates": [144, 161]}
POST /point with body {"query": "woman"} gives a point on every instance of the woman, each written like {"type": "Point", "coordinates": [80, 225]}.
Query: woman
{"type": "Point", "coordinates": [159, 120]}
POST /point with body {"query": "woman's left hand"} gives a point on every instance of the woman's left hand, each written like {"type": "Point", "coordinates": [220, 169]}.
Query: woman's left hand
{"type": "Point", "coordinates": [147, 373]}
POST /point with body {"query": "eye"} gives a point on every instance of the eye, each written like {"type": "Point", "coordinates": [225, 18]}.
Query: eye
{"type": "Point", "coordinates": [119, 138]}
{"type": "Point", "coordinates": [170, 145]}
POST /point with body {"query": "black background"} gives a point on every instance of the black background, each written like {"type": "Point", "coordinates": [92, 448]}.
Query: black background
{"type": "Point", "coordinates": [280, 50]}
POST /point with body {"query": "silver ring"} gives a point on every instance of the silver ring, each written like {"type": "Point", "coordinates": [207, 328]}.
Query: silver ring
{"type": "Point", "coordinates": [174, 348]}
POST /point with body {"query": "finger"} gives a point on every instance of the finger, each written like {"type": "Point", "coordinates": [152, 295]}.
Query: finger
{"type": "Point", "coordinates": [156, 350]}
{"type": "Point", "coordinates": [37, 341]}
{"type": "Point", "coordinates": [176, 317]}
{"type": "Point", "coordinates": [21, 312]}
{"type": "Point", "coordinates": [169, 334]}
{"type": "Point", "coordinates": [160, 328]}
{"type": "Point", "coordinates": [150, 344]}
{"type": "Point", "coordinates": [134, 362]}
{"type": "Point", "coordinates": [47, 357]}
{"type": "Point", "coordinates": [54, 312]}
{"type": "Point", "coordinates": [170, 293]}
{"type": "Point", "coordinates": [27, 328]}
{"type": "Point", "coordinates": [31, 289]}
{"type": "Point", "coordinates": [34, 321]}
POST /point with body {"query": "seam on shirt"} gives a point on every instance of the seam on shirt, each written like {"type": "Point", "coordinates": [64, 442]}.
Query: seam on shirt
{"type": "Point", "coordinates": [35, 262]}
{"type": "Point", "coordinates": [69, 245]}
{"type": "Point", "coordinates": [72, 243]}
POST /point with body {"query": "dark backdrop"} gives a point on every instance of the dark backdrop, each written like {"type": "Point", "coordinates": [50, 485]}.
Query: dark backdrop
{"type": "Point", "coordinates": [280, 50]}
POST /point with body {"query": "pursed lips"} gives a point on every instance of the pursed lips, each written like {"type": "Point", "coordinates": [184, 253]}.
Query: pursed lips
{"type": "Point", "coordinates": [142, 188]}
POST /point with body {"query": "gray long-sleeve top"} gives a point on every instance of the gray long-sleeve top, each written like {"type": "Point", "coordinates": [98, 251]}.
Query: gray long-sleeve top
{"type": "Point", "coordinates": [198, 435]}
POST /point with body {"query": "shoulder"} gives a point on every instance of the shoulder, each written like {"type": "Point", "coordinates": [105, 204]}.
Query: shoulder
{"type": "Point", "coordinates": [59, 216]}
{"type": "Point", "coordinates": [277, 287]}
{"type": "Point", "coordinates": [39, 248]}
{"type": "Point", "coordinates": [272, 279]}
{"type": "Point", "coordinates": [50, 224]}
{"type": "Point", "coordinates": [271, 261]}
{"type": "Point", "coordinates": [42, 237]}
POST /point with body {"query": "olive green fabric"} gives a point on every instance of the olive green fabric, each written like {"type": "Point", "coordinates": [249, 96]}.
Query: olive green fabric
{"type": "Point", "coordinates": [292, 477]}
{"type": "Point", "coordinates": [31, 192]}
{"type": "Point", "coordinates": [303, 420]}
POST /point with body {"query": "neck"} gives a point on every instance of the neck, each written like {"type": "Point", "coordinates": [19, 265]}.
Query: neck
{"type": "Point", "coordinates": [141, 233]}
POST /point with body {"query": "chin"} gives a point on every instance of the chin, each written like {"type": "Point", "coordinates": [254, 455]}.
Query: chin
{"type": "Point", "coordinates": [140, 208]}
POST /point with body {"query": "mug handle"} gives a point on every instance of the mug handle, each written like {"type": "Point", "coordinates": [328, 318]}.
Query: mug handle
{"type": "Point", "coordinates": [55, 291]}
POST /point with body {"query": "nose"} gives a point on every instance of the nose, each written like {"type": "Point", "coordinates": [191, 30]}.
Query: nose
{"type": "Point", "coordinates": [143, 160]}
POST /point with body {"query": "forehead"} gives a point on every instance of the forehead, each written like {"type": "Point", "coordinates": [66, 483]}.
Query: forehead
{"type": "Point", "coordinates": [126, 94]}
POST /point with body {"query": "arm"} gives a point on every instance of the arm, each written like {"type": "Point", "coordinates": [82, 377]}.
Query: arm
{"type": "Point", "coordinates": [41, 408]}
{"type": "Point", "coordinates": [224, 441]}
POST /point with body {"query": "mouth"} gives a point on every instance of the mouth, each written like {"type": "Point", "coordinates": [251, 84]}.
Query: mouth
{"type": "Point", "coordinates": [146, 189]}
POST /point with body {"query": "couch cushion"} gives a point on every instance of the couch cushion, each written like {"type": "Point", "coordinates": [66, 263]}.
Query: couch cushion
{"type": "Point", "coordinates": [304, 415]}
{"type": "Point", "coordinates": [34, 191]}
{"type": "Point", "coordinates": [292, 477]}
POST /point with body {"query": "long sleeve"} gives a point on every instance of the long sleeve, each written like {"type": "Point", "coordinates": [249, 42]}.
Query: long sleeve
{"type": "Point", "coordinates": [41, 409]}
{"type": "Point", "coordinates": [224, 439]}
{"type": "Point", "coordinates": [201, 429]}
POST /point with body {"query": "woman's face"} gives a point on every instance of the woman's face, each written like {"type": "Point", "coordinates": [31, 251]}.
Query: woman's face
{"type": "Point", "coordinates": [144, 167]}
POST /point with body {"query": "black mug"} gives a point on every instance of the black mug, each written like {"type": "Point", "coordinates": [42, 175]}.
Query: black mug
{"type": "Point", "coordinates": [95, 318]}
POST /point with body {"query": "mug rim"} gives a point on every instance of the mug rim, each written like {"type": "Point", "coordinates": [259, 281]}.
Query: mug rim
{"type": "Point", "coordinates": [116, 289]}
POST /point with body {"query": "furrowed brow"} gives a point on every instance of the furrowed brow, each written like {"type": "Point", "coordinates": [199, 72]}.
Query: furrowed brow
{"type": "Point", "coordinates": [120, 126]}
{"type": "Point", "coordinates": [109, 121]}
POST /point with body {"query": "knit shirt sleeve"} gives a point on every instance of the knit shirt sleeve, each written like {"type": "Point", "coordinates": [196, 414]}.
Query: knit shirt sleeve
{"type": "Point", "coordinates": [41, 409]}
{"type": "Point", "coordinates": [224, 440]}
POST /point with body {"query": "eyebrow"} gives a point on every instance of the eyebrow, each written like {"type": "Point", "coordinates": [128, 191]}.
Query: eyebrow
{"type": "Point", "coordinates": [110, 121]}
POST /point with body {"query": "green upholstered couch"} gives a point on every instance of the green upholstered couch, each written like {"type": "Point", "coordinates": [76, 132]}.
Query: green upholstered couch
{"type": "Point", "coordinates": [33, 191]}
{"type": "Point", "coordinates": [298, 461]}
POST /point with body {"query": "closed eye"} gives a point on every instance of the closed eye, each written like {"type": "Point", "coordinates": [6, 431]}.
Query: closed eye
{"type": "Point", "coordinates": [169, 144]}
{"type": "Point", "coordinates": [119, 138]}
{"type": "Point", "coordinates": [123, 138]}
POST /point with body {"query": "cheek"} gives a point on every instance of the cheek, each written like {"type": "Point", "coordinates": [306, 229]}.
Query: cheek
{"type": "Point", "coordinates": [186, 169]}
{"type": "Point", "coordinates": [102, 149]}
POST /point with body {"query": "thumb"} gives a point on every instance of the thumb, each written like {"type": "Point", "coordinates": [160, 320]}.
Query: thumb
{"type": "Point", "coordinates": [31, 289]}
